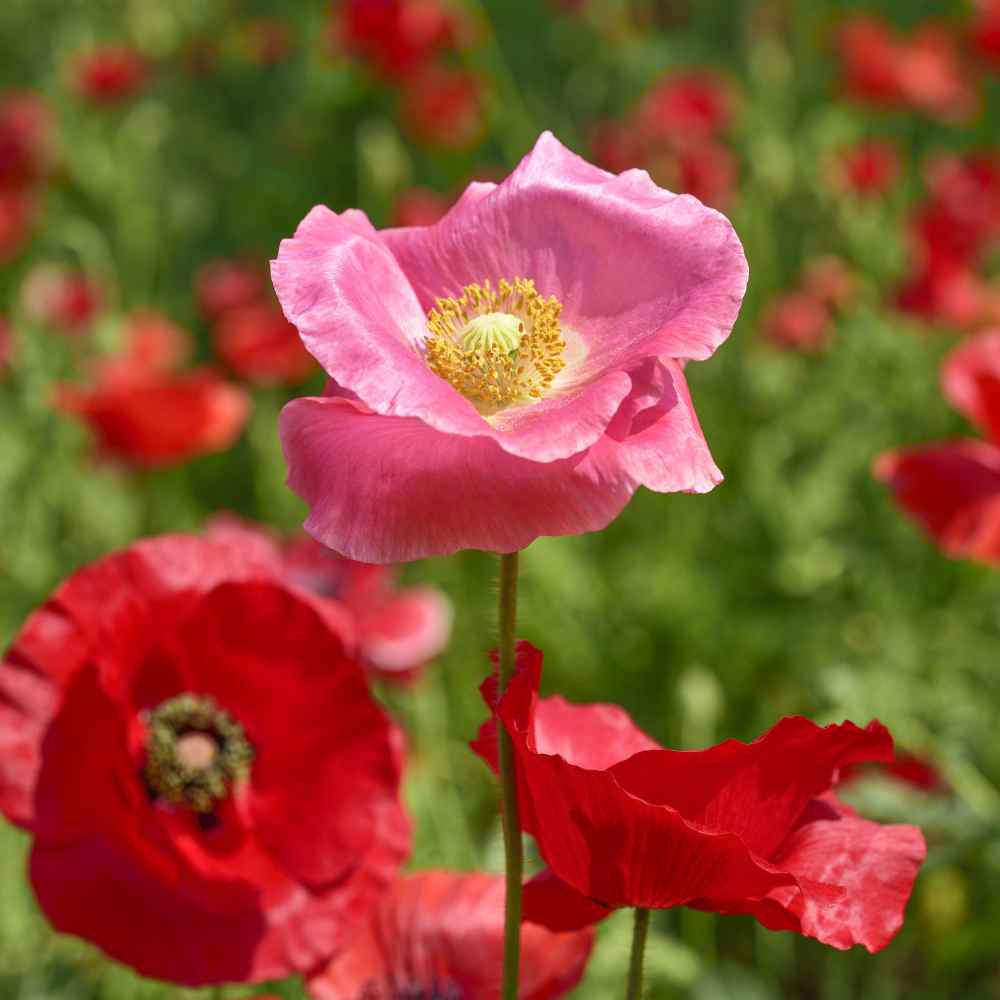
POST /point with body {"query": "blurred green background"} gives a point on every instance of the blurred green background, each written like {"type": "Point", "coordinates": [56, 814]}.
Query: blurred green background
{"type": "Point", "coordinates": [795, 587]}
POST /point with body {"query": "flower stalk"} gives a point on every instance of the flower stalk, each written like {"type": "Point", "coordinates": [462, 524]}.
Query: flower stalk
{"type": "Point", "coordinates": [513, 845]}
{"type": "Point", "coordinates": [640, 930]}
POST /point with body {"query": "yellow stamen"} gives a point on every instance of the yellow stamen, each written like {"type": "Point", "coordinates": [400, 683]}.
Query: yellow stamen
{"type": "Point", "coordinates": [497, 346]}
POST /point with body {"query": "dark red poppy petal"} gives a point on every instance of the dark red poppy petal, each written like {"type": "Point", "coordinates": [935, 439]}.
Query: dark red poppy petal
{"type": "Point", "coordinates": [952, 490]}
{"type": "Point", "coordinates": [549, 901]}
{"type": "Point", "coordinates": [436, 931]}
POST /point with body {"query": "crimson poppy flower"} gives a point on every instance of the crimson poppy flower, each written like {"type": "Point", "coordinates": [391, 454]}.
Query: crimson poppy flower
{"type": "Point", "coordinates": [222, 285]}
{"type": "Point", "coordinates": [984, 31]}
{"type": "Point", "coordinates": [870, 168]}
{"type": "Point", "coordinates": [440, 934]}
{"type": "Point", "coordinates": [420, 207]}
{"type": "Point", "coordinates": [491, 381]}
{"type": "Point", "coordinates": [952, 488]}
{"type": "Point", "coordinates": [26, 134]}
{"type": "Point", "coordinates": [150, 344]}
{"type": "Point", "coordinates": [110, 74]}
{"type": "Point", "coordinates": [444, 107]}
{"type": "Point", "coordinates": [706, 170]}
{"type": "Point", "coordinates": [693, 106]}
{"type": "Point", "coordinates": [211, 790]}
{"type": "Point", "coordinates": [159, 419]}
{"type": "Point", "coordinates": [739, 828]}
{"type": "Point", "coordinates": [18, 210]}
{"type": "Point", "coordinates": [398, 630]}
{"type": "Point", "coordinates": [397, 37]}
{"type": "Point", "coordinates": [869, 60]}
{"type": "Point", "coordinates": [798, 321]}
{"type": "Point", "coordinates": [67, 300]}
{"type": "Point", "coordinates": [906, 768]}
{"type": "Point", "coordinates": [257, 343]}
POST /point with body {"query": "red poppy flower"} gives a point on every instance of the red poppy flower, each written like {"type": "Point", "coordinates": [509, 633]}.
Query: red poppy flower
{"type": "Point", "coordinates": [830, 280]}
{"type": "Point", "coordinates": [150, 344]}
{"type": "Point", "coordinates": [257, 343]}
{"type": "Point", "coordinates": [798, 321]}
{"type": "Point", "coordinates": [686, 107]}
{"type": "Point", "coordinates": [984, 31]}
{"type": "Point", "coordinates": [68, 300]}
{"type": "Point", "coordinates": [229, 284]}
{"type": "Point", "coordinates": [952, 488]}
{"type": "Point", "coordinates": [160, 420]}
{"type": "Point", "coordinates": [420, 207]}
{"type": "Point", "coordinates": [25, 140]}
{"type": "Point", "coordinates": [398, 630]}
{"type": "Point", "coordinates": [869, 168]}
{"type": "Point", "coordinates": [397, 37]}
{"type": "Point", "coordinates": [738, 828]}
{"type": "Point", "coordinates": [444, 107]}
{"type": "Point", "coordinates": [440, 934]}
{"type": "Point", "coordinates": [211, 790]}
{"type": "Point", "coordinates": [110, 74]}
{"type": "Point", "coordinates": [869, 60]}
{"type": "Point", "coordinates": [907, 768]}
{"type": "Point", "coordinates": [617, 146]}
{"type": "Point", "coordinates": [706, 170]}
{"type": "Point", "coordinates": [18, 210]}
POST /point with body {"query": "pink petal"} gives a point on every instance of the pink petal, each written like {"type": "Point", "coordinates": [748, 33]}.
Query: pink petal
{"type": "Point", "coordinates": [407, 632]}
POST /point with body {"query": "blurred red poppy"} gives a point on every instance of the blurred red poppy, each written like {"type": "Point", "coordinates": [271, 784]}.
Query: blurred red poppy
{"type": "Point", "coordinates": [686, 107]}
{"type": "Point", "coordinates": [160, 419]}
{"type": "Point", "coordinates": [420, 207]}
{"type": "Point", "coordinates": [150, 344]}
{"type": "Point", "coordinates": [444, 107]}
{"type": "Point", "coordinates": [18, 210]}
{"type": "Point", "coordinates": [110, 74]}
{"type": "Point", "coordinates": [746, 828]}
{"type": "Point", "coordinates": [907, 768]}
{"type": "Point", "coordinates": [398, 630]}
{"type": "Point", "coordinates": [797, 320]}
{"type": "Point", "coordinates": [397, 37]}
{"type": "Point", "coordinates": [952, 488]}
{"type": "Point", "coordinates": [257, 343]}
{"type": "Point", "coordinates": [67, 300]}
{"type": "Point", "coordinates": [984, 31]}
{"type": "Point", "coordinates": [26, 135]}
{"type": "Point", "coordinates": [6, 346]}
{"type": "Point", "coordinates": [222, 285]}
{"type": "Point", "coordinates": [830, 280]}
{"type": "Point", "coordinates": [869, 168]}
{"type": "Point", "coordinates": [211, 790]}
{"type": "Point", "coordinates": [869, 60]}
{"type": "Point", "coordinates": [440, 934]}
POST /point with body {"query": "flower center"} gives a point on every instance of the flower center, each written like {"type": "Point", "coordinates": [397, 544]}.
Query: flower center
{"type": "Point", "coordinates": [195, 752]}
{"type": "Point", "coordinates": [497, 346]}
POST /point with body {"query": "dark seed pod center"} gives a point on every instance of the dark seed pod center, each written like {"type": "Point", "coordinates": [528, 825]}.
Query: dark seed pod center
{"type": "Point", "coordinates": [195, 751]}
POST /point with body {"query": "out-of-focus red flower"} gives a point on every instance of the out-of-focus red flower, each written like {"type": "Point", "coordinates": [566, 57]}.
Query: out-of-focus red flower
{"type": "Point", "coordinates": [440, 934]}
{"type": "Point", "coordinates": [397, 37]}
{"type": "Point", "coordinates": [869, 60]}
{"type": "Point", "coordinates": [267, 41]}
{"type": "Point", "coordinates": [907, 768]}
{"type": "Point", "coordinates": [420, 207]}
{"type": "Point", "coordinates": [161, 419]}
{"type": "Point", "coordinates": [151, 345]}
{"type": "Point", "coordinates": [6, 346]}
{"type": "Point", "coordinates": [617, 146]}
{"type": "Point", "coordinates": [444, 107]}
{"type": "Point", "coordinates": [211, 789]}
{"type": "Point", "coordinates": [26, 133]}
{"type": "Point", "coordinates": [110, 74]}
{"type": "Point", "coordinates": [260, 345]}
{"type": "Point", "coordinates": [707, 170]}
{"type": "Point", "coordinates": [923, 72]}
{"type": "Point", "coordinates": [798, 321]}
{"type": "Point", "coordinates": [18, 210]}
{"type": "Point", "coordinates": [747, 828]}
{"type": "Point", "coordinates": [67, 300]}
{"type": "Point", "coordinates": [869, 168]}
{"type": "Point", "coordinates": [952, 488]}
{"type": "Point", "coordinates": [830, 280]}
{"type": "Point", "coordinates": [984, 31]}
{"type": "Point", "coordinates": [222, 285]}
{"type": "Point", "coordinates": [398, 630]}
{"type": "Point", "coordinates": [945, 293]}
{"type": "Point", "coordinates": [686, 107]}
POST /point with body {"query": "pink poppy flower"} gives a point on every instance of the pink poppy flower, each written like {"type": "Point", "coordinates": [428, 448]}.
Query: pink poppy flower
{"type": "Point", "coordinates": [398, 630]}
{"type": "Point", "coordinates": [952, 488]}
{"type": "Point", "coordinates": [439, 934]}
{"type": "Point", "coordinates": [511, 372]}
{"type": "Point", "coordinates": [750, 828]}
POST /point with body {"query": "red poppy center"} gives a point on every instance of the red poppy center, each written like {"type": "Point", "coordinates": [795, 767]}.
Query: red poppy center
{"type": "Point", "coordinates": [195, 752]}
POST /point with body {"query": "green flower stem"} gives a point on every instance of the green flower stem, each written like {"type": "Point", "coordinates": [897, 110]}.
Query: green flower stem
{"type": "Point", "coordinates": [640, 930]}
{"type": "Point", "coordinates": [513, 846]}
